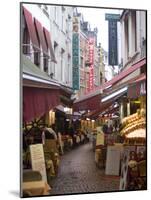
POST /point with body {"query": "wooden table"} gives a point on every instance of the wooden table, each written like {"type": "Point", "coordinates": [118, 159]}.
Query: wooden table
{"type": "Point", "coordinates": [36, 188]}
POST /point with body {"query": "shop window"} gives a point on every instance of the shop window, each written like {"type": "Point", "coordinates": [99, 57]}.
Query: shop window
{"type": "Point", "coordinates": [134, 106]}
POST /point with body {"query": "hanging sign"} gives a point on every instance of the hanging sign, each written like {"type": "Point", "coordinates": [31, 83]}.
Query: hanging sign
{"type": "Point", "coordinates": [75, 61]}
{"type": "Point", "coordinates": [91, 61]}
{"type": "Point", "coordinates": [112, 38]}
{"type": "Point", "coordinates": [75, 55]}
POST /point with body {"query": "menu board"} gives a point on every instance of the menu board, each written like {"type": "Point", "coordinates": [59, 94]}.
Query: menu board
{"type": "Point", "coordinates": [113, 160]}
{"type": "Point", "coordinates": [100, 139]}
{"type": "Point", "coordinates": [100, 136]}
{"type": "Point", "coordinates": [124, 166]}
{"type": "Point", "coordinates": [37, 160]}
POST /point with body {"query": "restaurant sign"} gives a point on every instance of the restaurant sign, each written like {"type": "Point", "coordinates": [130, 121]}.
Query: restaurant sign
{"type": "Point", "coordinates": [75, 61]}
{"type": "Point", "coordinates": [91, 43]}
{"type": "Point", "coordinates": [136, 90]}
{"type": "Point", "coordinates": [109, 16]}
{"type": "Point", "coordinates": [112, 38]}
{"type": "Point", "coordinates": [38, 160]}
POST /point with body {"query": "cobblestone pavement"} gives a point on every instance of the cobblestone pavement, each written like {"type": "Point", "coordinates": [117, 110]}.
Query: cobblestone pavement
{"type": "Point", "coordinates": [79, 174]}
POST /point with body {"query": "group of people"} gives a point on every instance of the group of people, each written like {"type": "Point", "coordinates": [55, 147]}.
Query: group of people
{"type": "Point", "coordinates": [111, 128]}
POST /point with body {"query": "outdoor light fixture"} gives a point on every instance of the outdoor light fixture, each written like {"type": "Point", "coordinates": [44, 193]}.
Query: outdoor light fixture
{"type": "Point", "coordinates": [93, 120]}
{"type": "Point", "coordinates": [51, 117]}
{"type": "Point", "coordinates": [114, 94]}
{"type": "Point", "coordinates": [115, 105]}
{"type": "Point", "coordinates": [66, 109]}
{"type": "Point", "coordinates": [88, 119]}
{"type": "Point", "coordinates": [137, 102]}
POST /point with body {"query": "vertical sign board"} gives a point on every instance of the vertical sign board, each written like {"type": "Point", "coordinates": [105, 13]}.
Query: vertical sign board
{"type": "Point", "coordinates": [75, 55]}
{"type": "Point", "coordinates": [113, 160]}
{"type": "Point", "coordinates": [112, 38]}
{"type": "Point", "coordinates": [37, 160]}
{"type": "Point", "coordinates": [91, 61]}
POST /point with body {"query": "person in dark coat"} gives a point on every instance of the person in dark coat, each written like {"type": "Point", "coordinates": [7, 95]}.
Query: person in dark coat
{"type": "Point", "coordinates": [105, 128]}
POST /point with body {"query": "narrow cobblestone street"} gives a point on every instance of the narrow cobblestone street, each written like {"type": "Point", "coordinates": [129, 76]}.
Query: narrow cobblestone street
{"type": "Point", "coordinates": [79, 174]}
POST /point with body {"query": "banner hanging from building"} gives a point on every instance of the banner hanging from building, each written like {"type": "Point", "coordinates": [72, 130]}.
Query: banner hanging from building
{"type": "Point", "coordinates": [91, 61]}
{"type": "Point", "coordinates": [75, 55]}
{"type": "Point", "coordinates": [112, 38]}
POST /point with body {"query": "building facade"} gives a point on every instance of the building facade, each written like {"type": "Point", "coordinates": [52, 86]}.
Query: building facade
{"type": "Point", "coordinates": [102, 56]}
{"type": "Point", "coordinates": [89, 60]}
{"type": "Point", "coordinates": [133, 53]}
{"type": "Point", "coordinates": [133, 39]}
{"type": "Point", "coordinates": [57, 61]}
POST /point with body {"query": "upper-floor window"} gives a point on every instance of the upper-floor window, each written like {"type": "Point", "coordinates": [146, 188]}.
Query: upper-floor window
{"type": "Point", "coordinates": [26, 41]}
{"type": "Point", "coordinates": [62, 22]}
{"type": "Point", "coordinates": [127, 37]}
{"type": "Point", "coordinates": [62, 64]}
{"type": "Point", "coordinates": [134, 29]}
{"type": "Point", "coordinates": [37, 58]}
{"type": "Point", "coordinates": [63, 19]}
{"type": "Point", "coordinates": [55, 13]}
{"type": "Point", "coordinates": [45, 10]}
{"type": "Point", "coordinates": [45, 63]}
{"type": "Point", "coordinates": [25, 38]}
{"type": "Point", "coordinates": [55, 52]}
{"type": "Point", "coordinates": [68, 69]}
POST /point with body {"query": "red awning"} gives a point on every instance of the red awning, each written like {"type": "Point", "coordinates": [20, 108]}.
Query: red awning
{"type": "Point", "coordinates": [88, 102]}
{"type": "Point", "coordinates": [38, 101]}
{"type": "Point", "coordinates": [31, 27]}
{"type": "Point", "coordinates": [48, 39]}
{"type": "Point", "coordinates": [138, 87]}
{"type": "Point", "coordinates": [142, 77]}
{"type": "Point", "coordinates": [125, 73]}
{"type": "Point", "coordinates": [102, 108]}
{"type": "Point", "coordinates": [40, 32]}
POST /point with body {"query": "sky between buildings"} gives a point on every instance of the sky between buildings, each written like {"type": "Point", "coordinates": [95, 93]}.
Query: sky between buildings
{"type": "Point", "coordinates": [96, 18]}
